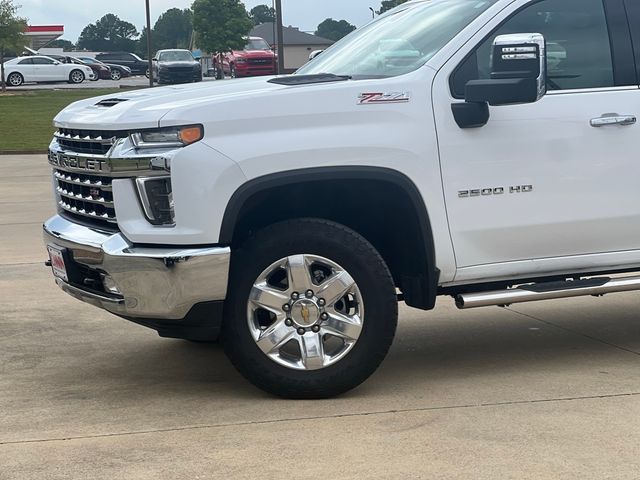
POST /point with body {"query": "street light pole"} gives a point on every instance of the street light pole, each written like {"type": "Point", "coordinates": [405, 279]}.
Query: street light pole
{"type": "Point", "coordinates": [279, 40]}
{"type": "Point", "coordinates": [150, 66]}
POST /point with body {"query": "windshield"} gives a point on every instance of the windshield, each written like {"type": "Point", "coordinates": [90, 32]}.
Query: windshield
{"type": "Point", "coordinates": [399, 42]}
{"type": "Point", "coordinates": [257, 44]}
{"type": "Point", "coordinates": [176, 56]}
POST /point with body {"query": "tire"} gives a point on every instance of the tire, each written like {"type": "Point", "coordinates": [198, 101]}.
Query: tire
{"type": "Point", "coordinates": [15, 79]}
{"type": "Point", "coordinates": [370, 306]}
{"type": "Point", "coordinates": [76, 76]}
{"type": "Point", "coordinates": [146, 73]}
{"type": "Point", "coordinates": [97, 77]}
{"type": "Point", "coordinates": [116, 75]}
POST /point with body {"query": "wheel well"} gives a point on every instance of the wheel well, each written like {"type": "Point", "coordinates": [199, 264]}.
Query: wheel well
{"type": "Point", "coordinates": [382, 205]}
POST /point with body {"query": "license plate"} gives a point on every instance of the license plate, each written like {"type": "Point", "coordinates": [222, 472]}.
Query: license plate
{"type": "Point", "coordinates": [57, 263]}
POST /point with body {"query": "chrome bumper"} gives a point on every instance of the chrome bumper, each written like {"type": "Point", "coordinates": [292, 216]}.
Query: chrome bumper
{"type": "Point", "coordinates": [157, 283]}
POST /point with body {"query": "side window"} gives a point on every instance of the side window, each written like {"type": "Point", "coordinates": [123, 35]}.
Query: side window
{"type": "Point", "coordinates": [578, 45]}
{"type": "Point", "coordinates": [42, 61]}
{"type": "Point", "coordinates": [26, 61]}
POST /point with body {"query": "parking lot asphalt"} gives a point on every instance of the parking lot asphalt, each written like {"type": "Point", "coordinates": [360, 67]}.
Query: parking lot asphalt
{"type": "Point", "coordinates": [538, 391]}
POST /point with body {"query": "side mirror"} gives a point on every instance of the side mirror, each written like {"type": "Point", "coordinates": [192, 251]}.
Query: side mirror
{"type": "Point", "coordinates": [518, 76]}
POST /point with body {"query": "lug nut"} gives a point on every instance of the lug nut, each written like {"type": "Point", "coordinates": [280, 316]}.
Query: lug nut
{"type": "Point", "coordinates": [286, 307]}
{"type": "Point", "coordinates": [301, 331]}
{"type": "Point", "coordinates": [315, 329]}
{"type": "Point", "coordinates": [288, 322]}
{"type": "Point", "coordinates": [309, 293]}
{"type": "Point", "coordinates": [321, 302]}
{"type": "Point", "coordinates": [324, 316]}
{"type": "Point", "coordinates": [295, 295]}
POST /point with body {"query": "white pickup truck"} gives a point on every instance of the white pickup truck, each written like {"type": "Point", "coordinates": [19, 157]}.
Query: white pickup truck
{"type": "Point", "coordinates": [485, 150]}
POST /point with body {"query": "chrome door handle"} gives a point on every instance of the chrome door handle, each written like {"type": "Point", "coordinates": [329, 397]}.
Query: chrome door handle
{"type": "Point", "coordinates": [613, 119]}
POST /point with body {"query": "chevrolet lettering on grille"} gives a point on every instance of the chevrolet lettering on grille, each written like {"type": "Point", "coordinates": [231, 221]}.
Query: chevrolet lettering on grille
{"type": "Point", "coordinates": [78, 163]}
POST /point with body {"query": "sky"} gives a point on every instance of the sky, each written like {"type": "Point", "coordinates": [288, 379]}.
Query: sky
{"type": "Point", "coordinates": [76, 14]}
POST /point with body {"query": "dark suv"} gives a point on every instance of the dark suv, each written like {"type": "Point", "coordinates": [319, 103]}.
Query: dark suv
{"type": "Point", "coordinates": [137, 65]}
{"type": "Point", "coordinates": [176, 66]}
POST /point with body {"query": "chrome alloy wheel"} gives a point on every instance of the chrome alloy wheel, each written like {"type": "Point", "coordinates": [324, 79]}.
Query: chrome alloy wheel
{"type": "Point", "coordinates": [15, 80]}
{"type": "Point", "coordinates": [305, 312]}
{"type": "Point", "coordinates": [77, 76]}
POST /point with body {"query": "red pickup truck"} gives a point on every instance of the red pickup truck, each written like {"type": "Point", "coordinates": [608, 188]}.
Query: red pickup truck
{"type": "Point", "coordinates": [257, 58]}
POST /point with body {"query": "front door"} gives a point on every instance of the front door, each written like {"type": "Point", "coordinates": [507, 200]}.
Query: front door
{"type": "Point", "coordinates": [544, 180]}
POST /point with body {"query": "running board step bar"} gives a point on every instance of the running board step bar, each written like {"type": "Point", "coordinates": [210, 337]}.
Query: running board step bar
{"type": "Point", "coordinates": [547, 291]}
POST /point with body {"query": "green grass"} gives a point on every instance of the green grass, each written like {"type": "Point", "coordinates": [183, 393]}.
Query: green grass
{"type": "Point", "coordinates": [26, 116]}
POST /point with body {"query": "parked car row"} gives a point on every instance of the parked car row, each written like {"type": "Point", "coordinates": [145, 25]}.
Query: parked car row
{"type": "Point", "coordinates": [103, 71]}
{"type": "Point", "coordinates": [44, 69]}
{"type": "Point", "coordinates": [73, 69]}
{"type": "Point", "coordinates": [169, 66]}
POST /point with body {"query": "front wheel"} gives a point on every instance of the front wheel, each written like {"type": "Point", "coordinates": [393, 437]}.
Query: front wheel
{"type": "Point", "coordinates": [76, 76]}
{"type": "Point", "coordinates": [312, 309]}
{"type": "Point", "coordinates": [116, 75]}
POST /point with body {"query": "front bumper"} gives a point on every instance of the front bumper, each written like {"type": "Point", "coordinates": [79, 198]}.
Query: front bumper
{"type": "Point", "coordinates": [158, 283]}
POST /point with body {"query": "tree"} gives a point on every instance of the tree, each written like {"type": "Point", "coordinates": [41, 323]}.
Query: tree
{"type": "Point", "coordinates": [109, 34]}
{"type": "Point", "coordinates": [221, 25]}
{"type": "Point", "coordinates": [11, 29]}
{"type": "Point", "coordinates": [173, 29]}
{"type": "Point", "coordinates": [389, 4]}
{"type": "Point", "coordinates": [142, 43]}
{"type": "Point", "coordinates": [334, 29]}
{"type": "Point", "coordinates": [66, 45]}
{"type": "Point", "coordinates": [262, 14]}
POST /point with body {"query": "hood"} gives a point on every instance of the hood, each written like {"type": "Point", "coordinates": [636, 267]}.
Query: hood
{"type": "Point", "coordinates": [183, 63]}
{"type": "Point", "coordinates": [254, 53]}
{"type": "Point", "coordinates": [146, 108]}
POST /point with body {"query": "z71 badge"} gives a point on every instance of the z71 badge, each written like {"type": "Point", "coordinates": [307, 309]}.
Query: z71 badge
{"type": "Point", "coordinates": [374, 98]}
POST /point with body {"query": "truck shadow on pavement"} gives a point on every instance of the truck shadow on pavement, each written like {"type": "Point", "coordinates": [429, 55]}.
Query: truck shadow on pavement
{"type": "Point", "coordinates": [429, 352]}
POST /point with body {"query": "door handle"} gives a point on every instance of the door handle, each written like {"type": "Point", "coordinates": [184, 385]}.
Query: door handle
{"type": "Point", "coordinates": [613, 119]}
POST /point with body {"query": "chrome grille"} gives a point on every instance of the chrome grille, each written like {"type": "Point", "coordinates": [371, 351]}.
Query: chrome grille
{"type": "Point", "coordinates": [86, 196]}
{"type": "Point", "coordinates": [94, 142]}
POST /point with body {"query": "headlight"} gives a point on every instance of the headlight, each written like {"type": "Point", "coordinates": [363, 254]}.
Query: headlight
{"type": "Point", "coordinates": [168, 137]}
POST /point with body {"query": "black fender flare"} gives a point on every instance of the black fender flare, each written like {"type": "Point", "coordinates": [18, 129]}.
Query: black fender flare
{"type": "Point", "coordinates": [419, 291]}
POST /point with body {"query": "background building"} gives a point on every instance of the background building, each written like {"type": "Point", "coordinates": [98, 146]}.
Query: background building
{"type": "Point", "coordinates": [297, 45]}
{"type": "Point", "coordinates": [37, 36]}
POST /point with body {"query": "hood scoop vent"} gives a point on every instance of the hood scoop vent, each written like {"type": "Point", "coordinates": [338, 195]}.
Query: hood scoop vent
{"type": "Point", "coordinates": [110, 102]}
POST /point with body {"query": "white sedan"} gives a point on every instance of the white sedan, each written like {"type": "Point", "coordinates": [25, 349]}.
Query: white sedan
{"type": "Point", "coordinates": [44, 69]}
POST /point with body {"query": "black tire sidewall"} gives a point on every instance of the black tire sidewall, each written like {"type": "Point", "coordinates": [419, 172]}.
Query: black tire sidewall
{"type": "Point", "coordinates": [354, 254]}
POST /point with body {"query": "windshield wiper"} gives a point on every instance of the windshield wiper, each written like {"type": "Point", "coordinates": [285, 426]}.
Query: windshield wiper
{"type": "Point", "coordinates": [309, 79]}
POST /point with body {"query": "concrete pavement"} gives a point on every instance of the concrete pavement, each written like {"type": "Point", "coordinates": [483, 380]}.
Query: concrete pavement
{"type": "Point", "coordinates": [548, 390]}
